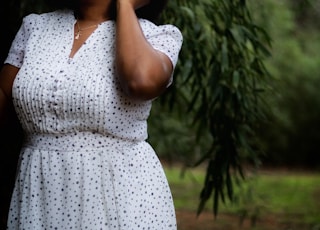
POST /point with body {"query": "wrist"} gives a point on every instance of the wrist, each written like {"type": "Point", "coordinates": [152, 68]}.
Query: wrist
{"type": "Point", "coordinates": [134, 5]}
{"type": "Point", "coordinates": [124, 4]}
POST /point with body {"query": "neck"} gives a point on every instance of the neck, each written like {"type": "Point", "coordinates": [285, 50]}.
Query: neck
{"type": "Point", "coordinates": [93, 11]}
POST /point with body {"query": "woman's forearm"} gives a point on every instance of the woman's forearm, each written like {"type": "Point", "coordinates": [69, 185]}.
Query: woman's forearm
{"type": "Point", "coordinates": [143, 71]}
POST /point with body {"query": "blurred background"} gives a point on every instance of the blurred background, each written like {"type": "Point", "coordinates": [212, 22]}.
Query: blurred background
{"type": "Point", "coordinates": [277, 143]}
{"type": "Point", "coordinates": [283, 192]}
{"type": "Point", "coordinates": [289, 134]}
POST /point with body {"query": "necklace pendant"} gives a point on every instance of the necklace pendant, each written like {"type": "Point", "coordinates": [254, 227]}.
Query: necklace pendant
{"type": "Point", "coordinates": [77, 35]}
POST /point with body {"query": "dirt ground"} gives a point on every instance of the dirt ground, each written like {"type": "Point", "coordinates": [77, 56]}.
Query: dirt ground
{"type": "Point", "coordinates": [187, 220]}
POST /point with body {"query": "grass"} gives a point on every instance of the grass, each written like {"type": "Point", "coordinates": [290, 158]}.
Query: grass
{"type": "Point", "coordinates": [291, 197]}
{"type": "Point", "coordinates": [291, 194]}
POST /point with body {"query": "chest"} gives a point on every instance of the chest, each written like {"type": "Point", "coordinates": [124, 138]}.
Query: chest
{"type": "Point", "coordinates": [48, 75]}
{"type": "Point", "coordinates": [47, 55]}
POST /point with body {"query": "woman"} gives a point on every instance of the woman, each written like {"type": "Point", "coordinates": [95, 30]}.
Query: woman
{"type": "Point", "coordinates": [82, 83]}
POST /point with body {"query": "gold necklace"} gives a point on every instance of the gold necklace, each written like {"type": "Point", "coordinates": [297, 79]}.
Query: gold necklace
{"type": "Point", "coordinates": [78, 33]}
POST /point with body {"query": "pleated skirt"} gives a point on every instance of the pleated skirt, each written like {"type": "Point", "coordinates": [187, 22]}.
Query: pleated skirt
{"type": "Point", "coordinates": [90, 181]}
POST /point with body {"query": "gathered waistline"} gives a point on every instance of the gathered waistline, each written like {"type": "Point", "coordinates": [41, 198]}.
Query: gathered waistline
{"type": "Point", "coordinates": [74, 141]}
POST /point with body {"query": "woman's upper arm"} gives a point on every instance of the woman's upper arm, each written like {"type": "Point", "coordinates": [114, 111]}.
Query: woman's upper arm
{"type": "Point", "coordinates": [7, 76]}
{"type": "Point", "coordinates": [16, 54]}
{"type": "Point", "coordinates": [167, 40]}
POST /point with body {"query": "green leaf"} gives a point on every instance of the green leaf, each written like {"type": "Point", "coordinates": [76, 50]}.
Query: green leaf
{"type": "Point", "coordinates": [224, 55]}
{"type": "Point", "coordinates": [235, 79]}
{"type": "Point", "coordinates": [188, 12]}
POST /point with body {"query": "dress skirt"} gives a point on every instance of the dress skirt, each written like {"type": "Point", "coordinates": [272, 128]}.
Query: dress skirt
{"type": "Point", "coordinates": [90, 181]}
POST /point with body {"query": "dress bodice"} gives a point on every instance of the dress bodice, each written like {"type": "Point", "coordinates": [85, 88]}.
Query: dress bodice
{"type": "Point", "coordinates": [53, 93]}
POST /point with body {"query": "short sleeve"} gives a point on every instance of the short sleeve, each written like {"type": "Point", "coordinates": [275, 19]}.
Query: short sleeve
{"type": "Point", "coordinates": [165, 38]}
{"type": "Point", "coordinates": [17, 49]}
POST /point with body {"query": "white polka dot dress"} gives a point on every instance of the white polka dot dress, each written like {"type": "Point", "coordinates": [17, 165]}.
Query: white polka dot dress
{"type": "Point", "coordinates": [85, 163]}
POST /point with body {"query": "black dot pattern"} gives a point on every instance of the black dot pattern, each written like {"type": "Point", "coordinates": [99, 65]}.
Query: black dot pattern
{"type": "Point", "coordinates": [85, 163]}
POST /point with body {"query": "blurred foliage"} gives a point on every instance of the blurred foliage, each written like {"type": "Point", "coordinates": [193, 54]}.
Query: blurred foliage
{"type": "Point", "coordinates": [288, 134]}
{"type": "Point", "coordinates": [307, 13]}
{"type": "Point", "coordinates": [291, 135]}
{"type": "Point", "coordinates": [216, 99]}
